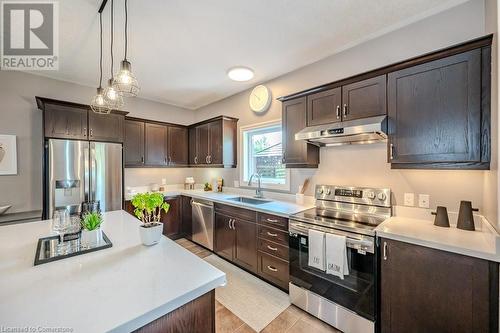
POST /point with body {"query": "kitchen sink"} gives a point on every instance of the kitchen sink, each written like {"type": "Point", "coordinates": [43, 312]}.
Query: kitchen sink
{"type": "Point", "coordinates": [250, 201]}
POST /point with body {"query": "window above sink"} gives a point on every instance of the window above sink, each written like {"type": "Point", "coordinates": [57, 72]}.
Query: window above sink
{"type": "Point", "coordinates": [261, 152]}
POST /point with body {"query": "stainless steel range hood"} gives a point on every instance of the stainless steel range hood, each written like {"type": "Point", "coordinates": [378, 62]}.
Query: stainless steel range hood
{"type": "Point", "coordinates": [359, 131]}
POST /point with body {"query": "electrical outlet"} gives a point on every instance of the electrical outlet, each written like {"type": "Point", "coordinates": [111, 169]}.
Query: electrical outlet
{"type": "Point", "coordinates": [423, 200]}
{"type": "Point", "coordinates": [409, 199]}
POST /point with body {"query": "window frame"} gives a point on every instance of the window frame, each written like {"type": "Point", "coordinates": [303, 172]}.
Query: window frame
{"type": "Point", "coordinates": [244, 155]}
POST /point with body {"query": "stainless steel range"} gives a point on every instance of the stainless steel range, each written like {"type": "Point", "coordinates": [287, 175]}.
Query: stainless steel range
{"type": "Point", "coordinates": [348, 304]}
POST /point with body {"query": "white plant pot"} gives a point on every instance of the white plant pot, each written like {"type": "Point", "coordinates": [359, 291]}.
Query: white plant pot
{"type": "Point", "coordinates": [91, 238]}
{"type": "Point", "coordinates": [151, 235]}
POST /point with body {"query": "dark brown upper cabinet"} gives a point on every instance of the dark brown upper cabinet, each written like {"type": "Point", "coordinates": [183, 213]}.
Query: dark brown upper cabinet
{"type": "Point", "coordinates": [177, 143]}
{"type": "Point", "coordinates": [133, 145]}
{"type": "Point", "coordinates": [427, 290]}
{"type": "Point", "coordinates": [64, 120]}
{"type": "Point", "coordinates": [438, 107]}
{"type": "Point", "coordinates": [435, 113]}
{"type": "Point", "coordinates": [213, 143]}
{"type": "Point", "coordinates": [324, 107]}
{"type": "Point", "coordinates": [68, 120]}
{"type": "Point", "coordinates": [155, 145]}
{"type": "Point", "coordinates": [297, 153]}
{"type": "Point", "coordinates": [106, 127]}
{"type": "Point", "coordinates": [363, 99]}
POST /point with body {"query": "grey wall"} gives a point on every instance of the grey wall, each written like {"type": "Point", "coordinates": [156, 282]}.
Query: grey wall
{"type": "Point", "coordinates": [366, 165]}
{"type": "Point", "coordinates": [19, 116]}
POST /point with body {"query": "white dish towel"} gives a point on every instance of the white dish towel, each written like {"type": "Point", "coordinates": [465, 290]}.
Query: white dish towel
{"type": "Point", "coordinates": [316, 249]}
{"type": "Point", "coordinates": [336, 255]}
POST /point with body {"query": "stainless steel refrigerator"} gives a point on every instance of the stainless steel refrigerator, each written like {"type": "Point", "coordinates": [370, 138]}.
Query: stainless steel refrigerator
{"type": "Point", "coordinates": [80, 171]}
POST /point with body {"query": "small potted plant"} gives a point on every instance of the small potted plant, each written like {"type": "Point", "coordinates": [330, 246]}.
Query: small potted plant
{"type": "Point", "coordinates": [148, 208]}
{"type": "Point", "coordinates": [91, 229]}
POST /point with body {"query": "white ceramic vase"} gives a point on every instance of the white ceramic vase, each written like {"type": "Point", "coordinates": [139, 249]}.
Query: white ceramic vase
{"type": "Point", "coordinates": [151, 235]}
{"type": "Point", "coordinates": [91, 238]}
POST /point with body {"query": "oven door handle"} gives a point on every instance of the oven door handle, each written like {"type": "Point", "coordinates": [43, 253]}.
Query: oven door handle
{"type": "Point", "coordinates": [354, 241]}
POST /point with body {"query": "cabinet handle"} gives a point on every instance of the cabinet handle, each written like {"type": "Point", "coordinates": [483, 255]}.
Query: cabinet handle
{"type": "Point", "coordinates": [271, 234]}
{"type": "Point", "coordinates": [345, 110]}
{"type": "Point", "coordinates": [209, 159]}
{"type": "Point", "coordinates": [229, 223]}
{"type": "Point", "coordinates": [206, 159]}
{"type": "Point", "coordinates": [272, 248]}
{"type": "Point", "coordinates": [165, 159]}
{"type": "Point", "coordinates": [234, 227]}
{"type": "Point", "coordinates": [385, 250]}
{"type": "Point", "coordinates": [391, 151]}
{"type": "Point", "coordinates": [84, 131]}
{"type": "Point", "coordinates": [271, 268]}
{"type": "Point", "coordinates": [196, 160]}
{"type": "Point", "coordinates": [338, 111]}
{"type": "Point", "coordinates": [272, 220]}
{"type": "Point", "coordinates": [142, 159]}
{"type": "Point", "coordinates": [169, 160]}
{"type": "Point", "coordinates": [91, 132]}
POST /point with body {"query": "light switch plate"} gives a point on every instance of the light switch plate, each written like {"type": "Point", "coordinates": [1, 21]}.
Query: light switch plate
{"type": "Point", "coordinates": [409, 199]}
{"type": "Point", "coordinates": [423, 200]}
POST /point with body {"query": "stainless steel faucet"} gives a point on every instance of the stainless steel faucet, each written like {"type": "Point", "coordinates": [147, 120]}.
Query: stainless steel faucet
{"type": "Point", "coordinates": [258, 190]}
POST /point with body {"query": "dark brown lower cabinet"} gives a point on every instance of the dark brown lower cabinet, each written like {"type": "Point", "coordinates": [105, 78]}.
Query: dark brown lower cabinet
{"type": "Point", "coordinates": [172, 226]}
{"type": "Point", "coordinates": [187, 222]}
{"type": "Point", "coordinates": [245, 250]}
{"type": "Point", "coordinates": [197, 316]}
{"type": "Point", "coordinates": [273, 269]}
{"type": "Point", "coordinates": [428, 290]}
{"type": "Point", "coordinates": [224, 237]}
{"type": "Point", "coordinates": [236, 236]}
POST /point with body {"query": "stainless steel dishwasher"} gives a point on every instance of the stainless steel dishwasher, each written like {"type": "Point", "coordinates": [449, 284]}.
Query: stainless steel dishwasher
{"type": "Point", "coordinates": [203, 222]}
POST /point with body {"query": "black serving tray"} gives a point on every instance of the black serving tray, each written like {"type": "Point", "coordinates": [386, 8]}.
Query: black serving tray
{"type": "Point", "coordinates": [48, 248]}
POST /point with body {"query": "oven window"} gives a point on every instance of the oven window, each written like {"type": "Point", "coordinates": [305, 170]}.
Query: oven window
{"type": "Point", "coordinates": [355, 292]}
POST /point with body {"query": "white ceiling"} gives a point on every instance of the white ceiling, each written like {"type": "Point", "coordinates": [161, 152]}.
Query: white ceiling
{"type": "Point", "coordinates": [181, 49]}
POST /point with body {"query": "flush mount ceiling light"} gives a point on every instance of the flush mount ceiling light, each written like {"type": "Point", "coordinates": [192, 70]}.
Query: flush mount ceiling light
{"type": "Point", "coordinates": [98, 104]}
{"type": "Point", "coordinates": [125, 81]}
{"type": "Point", "coordinates": [112, 96]}
{"type": "Point", "coordinates": [240, 73]}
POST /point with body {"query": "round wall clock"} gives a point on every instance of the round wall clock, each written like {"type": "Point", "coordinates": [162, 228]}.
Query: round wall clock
{"type": "Point", "coordinates": [260, 98]}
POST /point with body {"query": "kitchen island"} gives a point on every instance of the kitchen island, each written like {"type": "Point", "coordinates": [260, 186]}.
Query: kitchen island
{"type": "Point", "coordinates": [120, 289]}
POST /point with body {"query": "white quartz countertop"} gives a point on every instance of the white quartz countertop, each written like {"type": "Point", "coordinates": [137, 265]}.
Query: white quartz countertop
{"type": "Point", "coordinates": [276, 207]}
{"type": "Point", "coordinates": [483, 244]}
{"type": "Point", "coordinates": [118, 289]}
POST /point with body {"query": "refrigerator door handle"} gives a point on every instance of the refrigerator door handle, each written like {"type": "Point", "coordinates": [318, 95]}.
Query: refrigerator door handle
{"type": "Point", "coordinates": [86, 173]}
{"type": "Point", "coordinates": [93, 175]}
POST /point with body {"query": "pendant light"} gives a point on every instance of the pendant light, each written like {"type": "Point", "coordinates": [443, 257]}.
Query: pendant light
{"type": "Point", "coordinates": [112, 96]}
{"type": "Point", "coordinates": [98, 104]}
{"type": "Point", "coordinates": [125, 81]}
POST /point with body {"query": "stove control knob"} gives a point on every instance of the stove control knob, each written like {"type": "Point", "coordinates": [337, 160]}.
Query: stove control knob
{"type": "Point", "coordinates": [328, 191]}
{"type": "Point", "coordinates": [320, 190]}
{"type": "Point", "coordinates": [381, 196]}
{"type": "Point", "coordinates": [370, 195]}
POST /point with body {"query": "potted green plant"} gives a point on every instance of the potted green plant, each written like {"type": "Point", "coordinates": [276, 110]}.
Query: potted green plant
{"type": "Point", "coordinates": [91, 229]}
{"type": "Point", "coordinates": [148, 208]}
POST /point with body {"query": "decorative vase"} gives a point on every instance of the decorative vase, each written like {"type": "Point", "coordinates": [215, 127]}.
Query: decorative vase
{"type": "Point", "coordinates": [151, 233]}
{"type": "Point", "coordinates": [91, 238]}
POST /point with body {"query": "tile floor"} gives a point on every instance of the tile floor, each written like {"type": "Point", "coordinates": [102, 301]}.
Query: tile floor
{"type": "Point", "coordinates": [292, 320]}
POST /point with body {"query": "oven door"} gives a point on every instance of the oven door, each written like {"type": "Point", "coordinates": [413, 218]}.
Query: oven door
{"type": "Point", "coordinates": [357, 291]}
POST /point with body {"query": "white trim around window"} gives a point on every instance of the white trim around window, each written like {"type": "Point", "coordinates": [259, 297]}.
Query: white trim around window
{"type": "Point", "coordinates": [281, 182]}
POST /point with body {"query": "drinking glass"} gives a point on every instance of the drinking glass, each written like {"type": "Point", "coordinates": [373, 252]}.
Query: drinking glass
{"type": "Point", "coordinates": [61, 223]}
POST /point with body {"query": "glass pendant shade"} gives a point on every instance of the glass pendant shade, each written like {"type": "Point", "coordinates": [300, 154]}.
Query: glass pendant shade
{"type": "Point", "coordinates": [125, 81]}
{"type": "Point", "coordinates": [98, 104]}
{"type": "Point", "coordinates": [113, 97]}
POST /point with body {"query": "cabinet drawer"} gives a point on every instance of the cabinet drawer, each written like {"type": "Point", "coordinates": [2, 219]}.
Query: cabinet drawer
{"type": "Point", "coordinates": [274, 269]}
{"type": "Point", "coordinates": [273, 235]}
{"type": "Point", "coordinates": [275, 249]}
{"type": "Point", "coordinates": [242, 213]}
{"type": "Point", "coordinates": [274, 221]}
